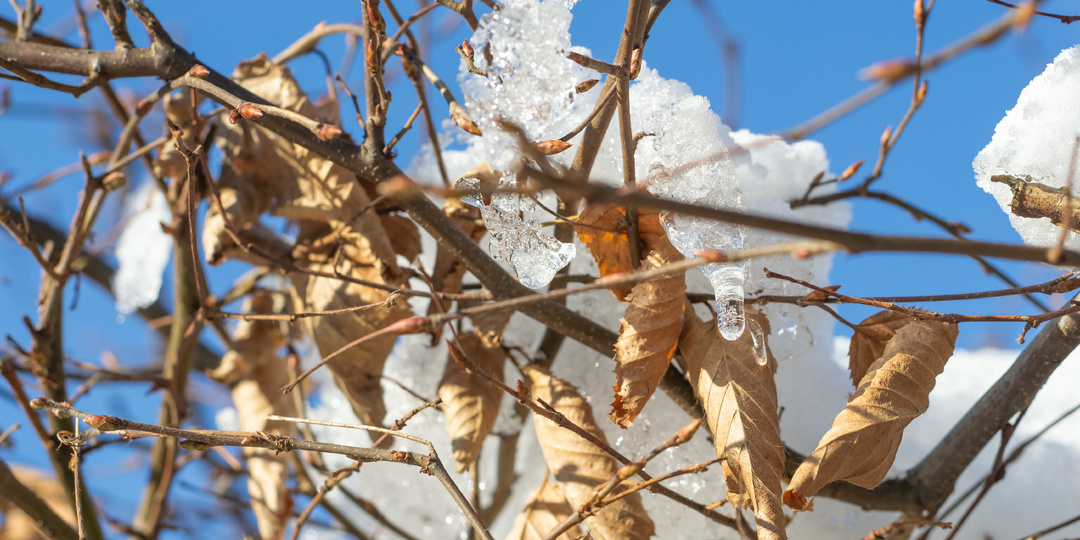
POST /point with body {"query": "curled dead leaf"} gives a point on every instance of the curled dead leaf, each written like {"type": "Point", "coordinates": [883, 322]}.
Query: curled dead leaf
{"type": "Point", "coordinates": [647, 336]}
{"type": "Point", "coordinates": [546, 509]}
{"type": "Point", "coordinates": [470, 403]}
{"type": "Point", "coordinates": [861, 445]}
{"type": "Point", "coordinates": [602, 228]}
{"type": "Point", "coordinates": [578, 465]}
{"type": "Point", "coordinates": [739, 398]}
{"type": "Point", "coordinates": [868, 342]}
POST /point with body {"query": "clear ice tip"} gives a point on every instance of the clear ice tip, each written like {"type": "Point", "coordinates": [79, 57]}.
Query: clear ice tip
{"type": "Point", "coordinates": [730, 317]}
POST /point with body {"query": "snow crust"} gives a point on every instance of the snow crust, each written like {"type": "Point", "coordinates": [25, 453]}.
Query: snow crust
{"type": "Point", "coordinates": [1036, 139]}
{"type": "Point", "coordinates": [143, 249]}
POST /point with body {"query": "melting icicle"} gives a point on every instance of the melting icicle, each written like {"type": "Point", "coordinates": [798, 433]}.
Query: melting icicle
{"type": "Point", "coordinates": [692, 165]}
{"type": "Point", "coordinates": [535, 257]}
{"type": "Point", "coordinates": [728, 282]}
{"type": "Point", "coordinates": [758, 337]}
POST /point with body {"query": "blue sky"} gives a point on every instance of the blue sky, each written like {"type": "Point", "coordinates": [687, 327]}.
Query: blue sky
{"type": "Point", "coordinates": [797, 58]}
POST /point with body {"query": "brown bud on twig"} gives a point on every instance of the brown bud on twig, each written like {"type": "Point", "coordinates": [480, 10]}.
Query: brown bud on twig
{"type": "Point", "coordinates": [375, 19]}
{"type": "Point", "coordinates": [630, 470]}
{"type": "Point", "coordinates": [712, 255]}
{"type": "Point", "coordinates": [687, 432]}
{"type": "Point", "coordinates": [249, 111]}
{"type": "Point", "coordinates": [39, 403]}
{"type": "Point", "coordinates": [885, 135]}
{"type": "Point", "coordinates": [199, 71]}
{"type": "Point", "coordinates": [635, 63]}
{"type": "Point", "coordinates": [102, 423]}
{"type": "Point", "coordinates": [549, 148]}
{"type": "Point", "coordinates": [585, 86]}
{"type": "Point", "coordinates": [199, 446]}
{"type": "Point", "coordinates": [143, 107]}
{"type": "Point", "coordinates": [466, 49]}
{"type": "Point", "coordinates": [371, 57]}
{"type": "Point", "coordinates": [326, 132]}
{"type": "Point", "coordinates": [920, 94]}
{"type": "Point", "coordinates": [113, 181]}
{"type": "Point", "coordinates": [234, 116]}
{"type": "Point", "coordinates": [850, 171]}
{"type": "Point", "coordinates": [411, 325]}
{"type": "Point", "coordinates": [1023, 16]}
{"type": "Point", "coordinates": [888, 71]}
{"type": "Point", "coordinates": [462, 120]}
{"type": "Point", "coordinates": [920, 14]}
{"type": "Point", "coordinates": [820, 296]}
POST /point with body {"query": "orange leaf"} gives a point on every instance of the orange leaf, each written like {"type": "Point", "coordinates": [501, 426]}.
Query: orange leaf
{"type": "Point", "coordinates": [471, 403]}
{"type": "Point", "coordinates": [648, 336]}
{"type": "Point", "coordinates": [546, 509]}
{"type": "Point", "coordinates": [739, 398]}
{"type": "Point", "coordinates": [602, 228]}
{"type": "Point", "coordinates": [869, 341]}
{"type": "Point", "coordinates": [579, 466]}
{"type": "Point", "coordinates": [861, 445]}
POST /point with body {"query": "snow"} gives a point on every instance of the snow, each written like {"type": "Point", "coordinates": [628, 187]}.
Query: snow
{"type": "Point", "coordinates": [1036, 139]}
{"type": "Point", "coordinates": [143, 249]}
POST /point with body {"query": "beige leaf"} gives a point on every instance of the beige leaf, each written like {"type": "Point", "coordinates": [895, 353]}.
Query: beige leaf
{"type": "Point", "coordinates": [471, 404]}
{"type": "Point", "coordinates": [648, 336]}
{"type": "Point", "coordinates": [579, 466]}
{"type": "Point", "coordinates": [546, 509]}
{"type": "Point", "coordinates": [739, 398]}
{"type": "Point", "coordinates": [861, 445]}
{"type": "Point", "coordinates": [868, 342]}
{"type": "Point", "coordinates": [489, 325]}
{"type": "Point", "coordinates": [256, 396]}
{"type": "Point", "coordinates": [602, 228]}
{"type": "Point", "coordinates": [357, 371]}
{"type": "Point", "coordinates": [404, 235]}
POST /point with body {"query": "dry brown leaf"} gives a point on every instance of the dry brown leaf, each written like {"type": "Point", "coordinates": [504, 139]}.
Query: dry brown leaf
{"type": "Point", "coordinates": [338, 233]}
{"type": "Point", "coordinates": [602, 228]}
{"type": "Point", "coordinates": [470, 403]}
{"type": "Point", "coordinates": [19, 526]}
{"type": "Point", "coordinates": [404, 234]}
{"type": "Point", "coordinates": [648, 336]}
{"type": "Point", "coordinates": [739, 398]}
{"type": "Point", "coordinates": [489, 325]}
{"type": "Point", "coordinates": [579, 466]}
{"type": "Point", "coordinates": [861, 445]}
{"type": "Point", "coordinates": [358, 370]}
{"type": "Point", "coordinates": [546, 509]}
{"type": "Point", "coordinates": [262, 372]}
{"type": "Point", "coordinates": [868, 342]}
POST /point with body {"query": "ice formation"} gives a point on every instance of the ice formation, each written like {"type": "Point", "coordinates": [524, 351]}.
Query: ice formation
{"type": "Point", "coordinates": [1036, 139]}
{"type": "Point", "coordinates": [529, 83]}
{"type": "Point", "coordinates": [691, 165]}
{"type": "Point", "coordinates": [534, 255]}
{"type": "Point", "coordinates": [143, 249]}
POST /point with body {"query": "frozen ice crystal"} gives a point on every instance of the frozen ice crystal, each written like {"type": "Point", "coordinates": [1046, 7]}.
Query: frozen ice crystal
{"type": "Point", "coordinates": [1036, 139]}
{"type": "Point", "coordinates": [143, 249]}
{"type": "Point", "coordinates": [534, 255]}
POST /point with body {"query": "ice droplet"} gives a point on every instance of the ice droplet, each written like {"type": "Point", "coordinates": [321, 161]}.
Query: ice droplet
{"type": "Point", "coordinates": [470, 191]}
{"type": "Point", "coordinates": [534, 255]}
{"type": "Point", "coordinates": [758, 336]}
